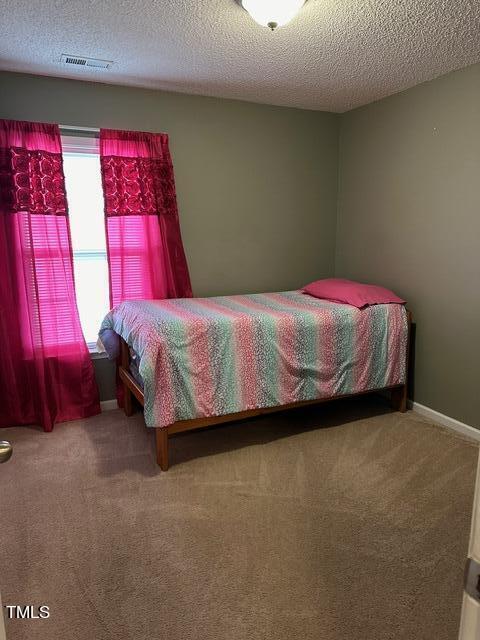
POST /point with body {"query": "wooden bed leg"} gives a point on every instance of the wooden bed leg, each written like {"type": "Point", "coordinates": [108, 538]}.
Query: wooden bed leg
{"type": "Point", "coordinates": [398, 399]}
{"type": "Point", "coordinates": [125, 363]}
{"type": "Point", "coordinates": [161, 436]}
{"type": "Point", "coordinates": [127, 401]}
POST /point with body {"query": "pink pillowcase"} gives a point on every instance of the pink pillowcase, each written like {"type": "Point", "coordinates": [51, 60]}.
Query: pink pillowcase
{"type": "Point", "coordinates": [350, 292]}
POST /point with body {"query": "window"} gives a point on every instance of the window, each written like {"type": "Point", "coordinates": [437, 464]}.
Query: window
{"type": "Point", "coordinates": [81, 164]}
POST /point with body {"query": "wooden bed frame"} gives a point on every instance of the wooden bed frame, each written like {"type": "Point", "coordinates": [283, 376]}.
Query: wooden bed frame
{"type": "Point", "coordinates": [131, 387]}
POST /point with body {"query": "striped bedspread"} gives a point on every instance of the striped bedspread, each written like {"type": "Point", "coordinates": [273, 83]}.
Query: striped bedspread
{"type": "Point", "coordinates": [212, 356]}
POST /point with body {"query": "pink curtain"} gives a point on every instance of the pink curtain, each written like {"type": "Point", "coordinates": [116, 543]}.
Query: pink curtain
{"type": "Point", "coordinates": [46, 374]}
{"type": "Point", "coordinates": [144, 244]}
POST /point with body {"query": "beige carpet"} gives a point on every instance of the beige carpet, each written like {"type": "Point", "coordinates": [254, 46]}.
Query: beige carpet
{"type": "Point", "coordinates": [338, 522]}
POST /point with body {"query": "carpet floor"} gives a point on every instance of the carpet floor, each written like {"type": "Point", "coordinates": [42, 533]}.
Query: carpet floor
{"type": "Point", "coordinates": [335, 522]}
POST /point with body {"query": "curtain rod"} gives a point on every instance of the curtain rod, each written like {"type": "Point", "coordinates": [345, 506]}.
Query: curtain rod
{"type": "Point", "coordinates": [68, 127]}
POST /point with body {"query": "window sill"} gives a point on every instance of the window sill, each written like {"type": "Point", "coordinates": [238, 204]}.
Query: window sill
{"type": "Point", "coordinates": [97, 355]}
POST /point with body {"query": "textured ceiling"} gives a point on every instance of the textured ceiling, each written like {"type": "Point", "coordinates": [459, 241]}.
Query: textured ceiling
{"type": "Point", "coordinates": [335, 55]}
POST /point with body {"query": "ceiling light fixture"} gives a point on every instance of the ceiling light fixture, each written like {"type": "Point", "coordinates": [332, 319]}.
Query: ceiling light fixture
{"type": "Point", "coordinates": [272, 13]}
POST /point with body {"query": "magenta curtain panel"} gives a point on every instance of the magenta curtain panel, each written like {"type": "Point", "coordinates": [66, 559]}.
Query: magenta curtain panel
{"type": "Point", "coordinates": [144, 244]}
{"type": "Point", "coordinates": [46, 373]}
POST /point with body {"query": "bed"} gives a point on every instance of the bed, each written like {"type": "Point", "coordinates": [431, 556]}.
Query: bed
{"type": "Point", "coordinates": [196, 362]}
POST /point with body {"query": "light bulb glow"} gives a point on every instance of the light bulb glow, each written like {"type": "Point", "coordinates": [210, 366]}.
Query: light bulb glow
{"type": "Point", "coordinates": [278, 12]}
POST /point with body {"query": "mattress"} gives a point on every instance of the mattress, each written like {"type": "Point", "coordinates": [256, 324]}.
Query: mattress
{"type": "Point", "coordinates": [201, 357]}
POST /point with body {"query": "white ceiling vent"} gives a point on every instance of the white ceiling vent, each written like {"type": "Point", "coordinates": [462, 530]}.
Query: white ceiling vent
{"type": "Point", "coordinates": [82, 61]}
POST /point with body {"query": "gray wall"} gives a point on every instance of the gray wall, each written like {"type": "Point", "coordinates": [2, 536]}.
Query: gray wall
{"type": "Point", "coordinates": [256, 184]}
{"type": "Point", "coordinates": [257, 191]}
{"type": "Point", "coordinates": [409, 218]}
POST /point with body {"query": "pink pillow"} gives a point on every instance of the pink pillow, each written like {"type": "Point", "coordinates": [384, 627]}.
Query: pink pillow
{"type": "Point", "coordinates": [350, 292]}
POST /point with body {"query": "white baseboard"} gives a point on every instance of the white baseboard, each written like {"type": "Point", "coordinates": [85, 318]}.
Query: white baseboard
{"type": "Point", "coordinates": [108, 405]}
{"type": "Point", "coordinates": [445, 421]}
